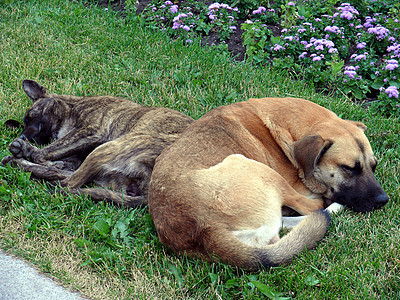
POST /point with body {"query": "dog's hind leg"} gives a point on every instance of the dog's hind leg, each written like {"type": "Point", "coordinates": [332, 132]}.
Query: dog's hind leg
{"type": "Point", "coordinates": [50, 171]}
{"type": "Point", "coordinates": [123, 165]}
{"type": "Point", "coordinates": [117, 198]}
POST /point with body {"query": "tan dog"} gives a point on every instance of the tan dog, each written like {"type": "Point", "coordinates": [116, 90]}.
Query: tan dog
{"type": "Point", "coordinates": [217, 192]}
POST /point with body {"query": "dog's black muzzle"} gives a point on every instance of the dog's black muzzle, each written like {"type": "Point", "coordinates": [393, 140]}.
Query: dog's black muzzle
{"type": "Point", "coordinates": [365, 195]}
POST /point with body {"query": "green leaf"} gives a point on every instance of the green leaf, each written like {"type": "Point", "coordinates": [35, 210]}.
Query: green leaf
{"type": "Point", "coordinates": [267, 291]}
{"type": "Point", "coordinates": [377, 84]}
{"type": "Point", "coordinates": [395, 83]}
{"type": "Point", "coordinates": [81, 243]}
{"type": "Point", "coordinates": [177, 274]}
{"type": "Point", "coordinates": [102, 227]}
{"type": "Point", "coordinates": [311, 281]}
{"type": "Point", "coordinates": [358, 93]}
{"type": "Point", "coordinates": [214, 278]}
{"type": "Point", "coordinates": [231, 283]}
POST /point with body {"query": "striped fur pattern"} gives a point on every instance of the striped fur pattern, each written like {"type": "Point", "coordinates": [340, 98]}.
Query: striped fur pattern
{"type": "Point", "coordinates": [103, 139]}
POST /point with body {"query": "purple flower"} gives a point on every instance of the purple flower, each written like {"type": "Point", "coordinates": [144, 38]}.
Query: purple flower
{"type": "Point", "coordinates": [291, 3]}
{"type": "Point", "coordinates": [360, 57]}
{"type": "Point", "coordinates": [361, 45]}
{"type": "Point", "coordinates": [260, 10]}
{"type": "Point", "coordinates": [177, 18]}
{"type": "Point", "coordinates": [350, 71]}
{"type": "Point", "coordinates": [232, 27]}
{"type": "Point", "coordinates": [395, 48]}
{"type": "Point", "coordinates": [215, 6]}
{"type": "Point", "coordinates": [174, 9]}
{"type": "Point", "coordinates": [317, 58]}
{"type": "Point", "coordinates": [303, 55]}
{"type": "Point", "coordinates": [185, 27]}
{"type": "Point", "coordinates": [168, 3]}
{"type": "Point", "coordinates": [346, 15]}
{"type": "Point", "coordinates": [332, 29]}
{"type": "Point", "coordinates": [392, 92]}
{"type": "Point", "coordinates": [391, 64]}
{"type": "Point", "coordinates": [289, 38]}
{"type": "Point", "coordinates": [379, 31]}
{"type": "Point", "coordinates": [277, 47]}
{"type": "Point", "coordinates": [347, 11]}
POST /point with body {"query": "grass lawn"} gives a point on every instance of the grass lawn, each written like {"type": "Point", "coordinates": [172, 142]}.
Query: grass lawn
{"type": "Point", "coordinates": [111, 253]}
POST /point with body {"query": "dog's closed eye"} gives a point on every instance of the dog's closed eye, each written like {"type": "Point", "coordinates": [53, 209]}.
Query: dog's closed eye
{"type": "Point", "coordinates": [352, 170]}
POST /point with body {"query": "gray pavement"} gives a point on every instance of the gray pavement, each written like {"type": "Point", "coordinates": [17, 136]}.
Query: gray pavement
{"type": "Point", "coordinates": [20, 281]}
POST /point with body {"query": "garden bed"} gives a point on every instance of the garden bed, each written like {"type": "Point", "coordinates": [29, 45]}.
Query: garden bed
{"type": "Point", "coordinates": [347, 48]}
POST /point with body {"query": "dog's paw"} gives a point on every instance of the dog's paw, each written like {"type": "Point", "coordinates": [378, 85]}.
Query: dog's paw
{"type": "Point", "coordinates": [7, 160]}
{"type": "Point", "coordinates": [20, 148]}
{"type": "Point", "coordinates": [58, 164]}
{"type": "Point", "coordinates": [334, 208]}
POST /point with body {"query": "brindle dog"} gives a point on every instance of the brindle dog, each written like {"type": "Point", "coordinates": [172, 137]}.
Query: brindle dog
{"type": "Point", "coordinates": [107, 140]}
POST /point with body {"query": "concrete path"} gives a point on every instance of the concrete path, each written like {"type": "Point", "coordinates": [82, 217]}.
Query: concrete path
{"type": "Point", "coordinates": [20, 281]}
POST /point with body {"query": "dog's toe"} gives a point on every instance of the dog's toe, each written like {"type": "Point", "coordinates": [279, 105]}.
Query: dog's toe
{"type": "Point", "coordinates": [7, 159]}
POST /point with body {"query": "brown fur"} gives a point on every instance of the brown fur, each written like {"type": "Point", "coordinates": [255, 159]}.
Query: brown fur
{"type": "Point", "coordinates": [113, 141]}
{"type": "Point", "coordinates": [219, 189]}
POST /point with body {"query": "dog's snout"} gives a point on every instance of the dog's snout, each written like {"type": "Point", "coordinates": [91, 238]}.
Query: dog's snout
{"type": "Point", "coordinates": [23, 137]}
{"type": "Point", "coordinates": [382, 199]}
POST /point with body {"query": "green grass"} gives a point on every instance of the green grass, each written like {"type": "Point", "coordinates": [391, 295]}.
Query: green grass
{"type": "Point", "coordinates": [108, 252]}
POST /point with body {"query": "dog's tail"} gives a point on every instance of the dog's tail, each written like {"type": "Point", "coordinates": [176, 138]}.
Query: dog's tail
{"type": "Point", "coordinates": [304, 236]}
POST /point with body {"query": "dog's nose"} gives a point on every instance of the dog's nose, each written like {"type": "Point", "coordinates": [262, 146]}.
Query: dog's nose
{"type": "Point", "coordinates": [381, 200]}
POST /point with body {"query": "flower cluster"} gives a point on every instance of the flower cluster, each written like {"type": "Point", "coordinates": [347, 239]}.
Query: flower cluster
{"type": "Point", "coordinates": [347, 11]}
{"type": "Point", "coordinates": [318, 47]}
{"type": "Point", "coordinates": [392, 92]}
{"type": "Point", "coordinates": [179, 21]}
{"type": "Point", "coordinates": [224, 17]}
{"type": "Point", "coordinates": [192, 19]}
{"type": "Point", "coordinates": [355, 48]}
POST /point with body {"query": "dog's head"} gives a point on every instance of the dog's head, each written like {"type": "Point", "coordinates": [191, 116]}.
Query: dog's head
{"type": "Point", "coordinates": [43, 119]}
{"type": "Point", "coordinates": [341, 166]}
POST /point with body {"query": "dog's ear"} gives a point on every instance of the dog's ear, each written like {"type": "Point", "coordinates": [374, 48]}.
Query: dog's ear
{"type": "Point", "coordinates": [358, 124]}
{"type": "Point", "coordinates": [13, 124]}
{"type": "Point", "coordinates": [308, 151]}
{"type": "Point", "coordinates": [33, 89]}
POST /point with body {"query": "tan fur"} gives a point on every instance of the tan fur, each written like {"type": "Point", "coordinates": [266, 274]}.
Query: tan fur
{"type": "Point", "coordinates": [218, 191]}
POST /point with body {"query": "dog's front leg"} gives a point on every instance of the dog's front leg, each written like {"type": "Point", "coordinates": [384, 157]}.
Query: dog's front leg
{"type": "Point", "coordinates": [76, 142]}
